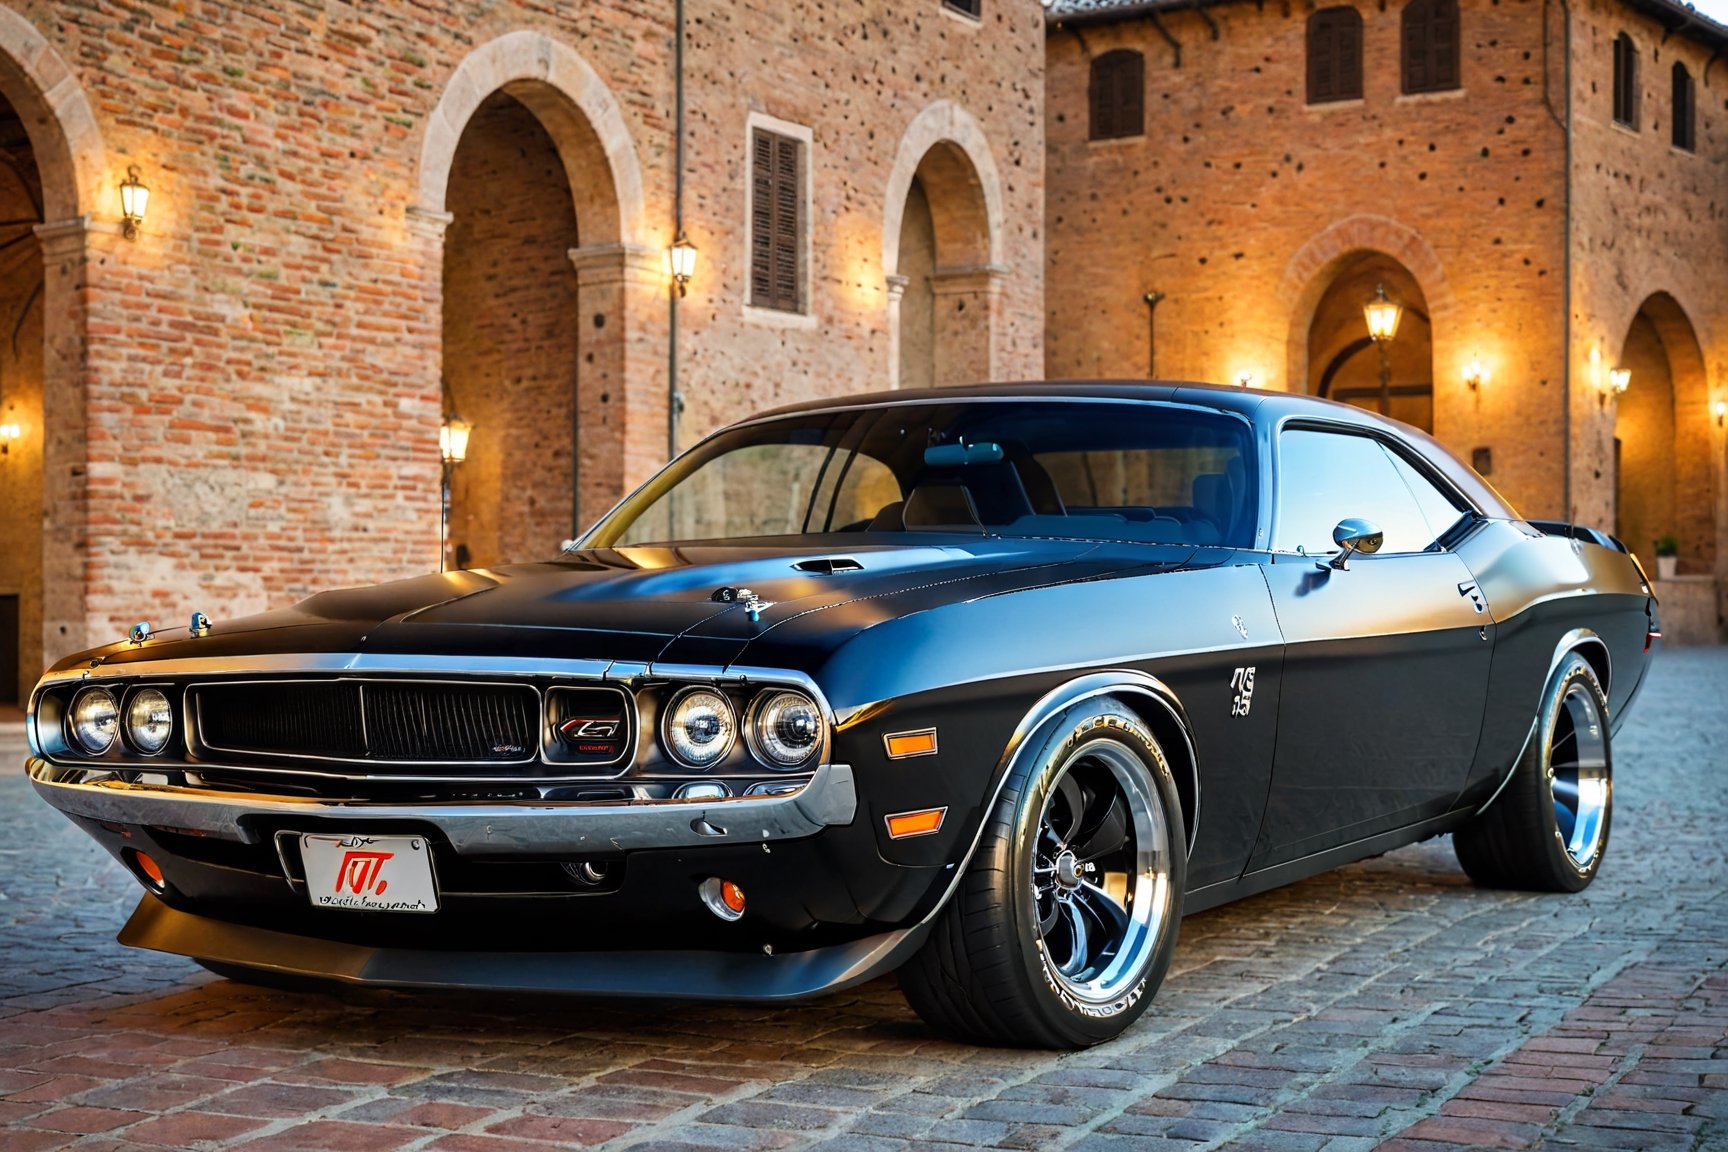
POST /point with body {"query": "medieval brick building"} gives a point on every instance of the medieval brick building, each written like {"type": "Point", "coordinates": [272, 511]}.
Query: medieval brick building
{"type": "Point", "coordinates": [1542, 186]}
{"type": "Point", "coordinates": [363, 219]}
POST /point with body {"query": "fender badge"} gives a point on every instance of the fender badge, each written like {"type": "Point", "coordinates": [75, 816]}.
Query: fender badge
{"type": "Point", "coordinates": [1240, 626]}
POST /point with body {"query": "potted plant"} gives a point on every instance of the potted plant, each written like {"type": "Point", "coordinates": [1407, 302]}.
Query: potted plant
{"type": "Point", "coordinates": [1667, 556]}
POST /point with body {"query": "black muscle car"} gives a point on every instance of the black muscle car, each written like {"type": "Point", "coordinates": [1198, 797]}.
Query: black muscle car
{"type": "Point", "coordinates": [986, 685]}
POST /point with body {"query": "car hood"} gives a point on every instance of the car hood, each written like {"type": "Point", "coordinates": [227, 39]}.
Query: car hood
{"type": "Point", "coordinates": [648, 604]}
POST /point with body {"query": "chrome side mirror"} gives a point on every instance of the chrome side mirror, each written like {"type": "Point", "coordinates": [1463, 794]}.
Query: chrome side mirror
{"type": "Point", "coordinates": [1353, 536]}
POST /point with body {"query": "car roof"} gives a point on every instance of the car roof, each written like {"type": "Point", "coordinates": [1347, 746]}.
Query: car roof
{"type": "Point", "coordinates": [1265, 409]}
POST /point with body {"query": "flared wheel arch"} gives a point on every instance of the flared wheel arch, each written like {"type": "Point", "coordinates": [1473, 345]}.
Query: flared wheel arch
{"type": "Point", "coordinates": [1148, 698]}
{"type": "Point", "coordinates": [1588, 644]}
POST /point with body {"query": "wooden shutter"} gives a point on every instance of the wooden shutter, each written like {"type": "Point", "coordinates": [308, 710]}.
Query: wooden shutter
{"type": "Point", "coordinates": [1625, 81]}
{"type": "Point", "coordinates": [1431, 46]}
{"type": "Point", "coordinates": [1118, 95]}
{"type": "Point", "coordinates": [1684, 112]}
{"type": "Point", "coordinates": [1334, 55]}
{"type": "Point", "coordinates": [776, 209]}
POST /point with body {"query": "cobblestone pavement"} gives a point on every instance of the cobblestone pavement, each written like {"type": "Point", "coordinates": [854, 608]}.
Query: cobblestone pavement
{"type": "Point", "coordinates": [1388, 1004]}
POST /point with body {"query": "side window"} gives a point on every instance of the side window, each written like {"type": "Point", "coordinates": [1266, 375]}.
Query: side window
{"type": "Point", "coordinates": [1625, 81]}
{"type": "Point", "coordinates": [1325, 477]}
{"type": "Point", "coordinates": [1431, 45]}
{"type": "Point", "coordinates": [1437, 507]}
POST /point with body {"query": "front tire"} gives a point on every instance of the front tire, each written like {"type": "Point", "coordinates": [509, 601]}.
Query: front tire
{"type": "Point", "coordinates": [1063, 927]}
{"type": "Point", "coordinates": [1548, 831]}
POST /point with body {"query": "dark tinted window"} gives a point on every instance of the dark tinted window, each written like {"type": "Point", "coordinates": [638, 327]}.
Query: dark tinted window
{"type": "Point", "coordinates": [1334, 55]}
{"type": "Point", "coordinates": [1325, 477]}
{"type": "Point", "coordinates": [1148, 473]}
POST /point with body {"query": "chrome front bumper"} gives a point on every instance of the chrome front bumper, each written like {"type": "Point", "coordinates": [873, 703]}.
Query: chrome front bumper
{"type": "Point", "coordinates": [830, 798]}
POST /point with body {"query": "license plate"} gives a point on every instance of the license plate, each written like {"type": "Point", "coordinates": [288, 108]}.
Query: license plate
{"type": "Point", "coordinates": [372, 873]}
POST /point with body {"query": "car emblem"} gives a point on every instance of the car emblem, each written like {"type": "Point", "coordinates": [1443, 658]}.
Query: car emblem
{"type": "Point", "coordinates": [1240, 626]}
{"type": "Point", "coordinates": [505, 749]}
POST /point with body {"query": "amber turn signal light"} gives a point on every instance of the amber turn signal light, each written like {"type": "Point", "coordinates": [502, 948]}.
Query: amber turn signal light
{"type": "Point", "coordinates": [149, 870]}
{"type": "Point", "coordinates": [904, 824]}
{"type": "Point", "coordinates": [904, 744]}
{"type": "Point", "coordinates": [722, 897]}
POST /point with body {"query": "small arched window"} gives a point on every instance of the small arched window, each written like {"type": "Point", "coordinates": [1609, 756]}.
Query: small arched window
{"type": "Point", "coordinates": [1430, 47]}
{"type": "Point", "coordinates": [1684, 114]}
{"type": "Point", "coordinates": [1334, 55]}
{"type": "Point", "coordinates": [1625, 81]}
{"type": "Point", "coordinates": [1118, 95]}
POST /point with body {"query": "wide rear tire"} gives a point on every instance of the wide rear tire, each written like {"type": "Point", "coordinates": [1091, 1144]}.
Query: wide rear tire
{"type": "Point", "coordinates": [1064, 924]}
{"type": "Point", "coordinates": [1548, 829]}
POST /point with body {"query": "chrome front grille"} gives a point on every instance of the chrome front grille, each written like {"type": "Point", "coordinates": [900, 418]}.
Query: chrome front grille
{"type": "Point", "coordinates": [378, 722]}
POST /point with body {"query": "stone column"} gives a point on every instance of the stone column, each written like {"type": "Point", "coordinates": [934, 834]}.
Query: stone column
{"type": "Point", "coordinates": [896, 291]}
{"type": "Point", "coordinates": [968, 320]}
{"type": "Point", "coordinates": [65, 538]}
{"type": "Point", "coordinates": [621, 387]}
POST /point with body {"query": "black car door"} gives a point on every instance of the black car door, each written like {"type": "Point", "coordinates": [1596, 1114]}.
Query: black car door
{"type": "Point", "coordinates": [1386, 661]}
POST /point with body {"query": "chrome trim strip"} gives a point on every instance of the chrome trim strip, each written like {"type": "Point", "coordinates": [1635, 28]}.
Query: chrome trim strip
{"type": "Point", "coordinates": [830, 798]}
{"type": "Point", "coordinates": [1051, 704]}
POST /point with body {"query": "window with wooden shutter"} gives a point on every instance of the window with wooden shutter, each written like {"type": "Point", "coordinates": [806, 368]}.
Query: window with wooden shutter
{"type": "Point", "coordinates": [776, 203]}
{"type": "Point", "coordinates": [1625, 81]}
{"type": "Point", "coordinates": [1118, 95]}
{"type": "Point", "coordinates": [1334, 55]}
{"type": "Point", "coordinates": [1430, 46]}
{"type": "Point", "coordinates": [1685, 110]}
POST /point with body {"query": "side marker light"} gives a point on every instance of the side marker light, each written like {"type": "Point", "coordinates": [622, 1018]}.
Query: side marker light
{"type": "Point", "coordinates": [902, 745]}
{"type": "Point", "coordinates": [904, 824]}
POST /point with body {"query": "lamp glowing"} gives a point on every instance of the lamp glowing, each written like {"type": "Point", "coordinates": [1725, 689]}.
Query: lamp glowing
{"type": "Point", "coordinates": [453, 440]}
{"type": "Point", "coordinates": [1619, 379]}
{"type": "Point", "coordinates": [683, 254]}
{"type": "Point", "coordinates": [134, 201]}
{"type": "Point", "coordinates": [1475, 375]}
{"type": "Point", "coordinates": [1382, 314]}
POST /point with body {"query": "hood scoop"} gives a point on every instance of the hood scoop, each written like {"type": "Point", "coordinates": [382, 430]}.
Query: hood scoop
{"type": "Point", "coordinates": [828, 565]}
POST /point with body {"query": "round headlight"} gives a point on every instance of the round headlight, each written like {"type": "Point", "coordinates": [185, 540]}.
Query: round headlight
{"type": "Point", "coordinates": [700, 727]}
{"type": "Point", "coordinates": [95, 720]}
{"type": "Point", "coordinates": [149, 721]}
{"type": "Point", "coordinates": [788, 728]}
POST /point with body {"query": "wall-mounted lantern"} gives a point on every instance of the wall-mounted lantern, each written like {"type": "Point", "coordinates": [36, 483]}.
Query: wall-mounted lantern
{"type": "Point", "coordinates": [10, 432]}
{"type": "Point", "coordinates": [134, 201]}
{"type": "Point", "coordinates": [1244, 378]}
{"type": "Point", "coordinates": [1619, 379]}
{"type": "Point", "coordinates": [1475, 375]}
{"type": "Point", "coordinates": [683, 254]}
{"type": "Point", "coordinates": [1720, 408]}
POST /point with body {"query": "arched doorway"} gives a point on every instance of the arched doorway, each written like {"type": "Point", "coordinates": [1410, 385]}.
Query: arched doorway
{"type": "Point", "coordinates": [511, 341]}
{"type": "Point", "coordinates": [527, 164]}
{"type": "Point", "coordinates": [21, 342]}
{"type": "Point", "coordinates": [52, 163]}
{"type": "Point", "coordinates": [1662, 441]}
{"type": "Point", "coordinates": [941, 246]}
{"type": "Point", "coordinates": [1395, 378]}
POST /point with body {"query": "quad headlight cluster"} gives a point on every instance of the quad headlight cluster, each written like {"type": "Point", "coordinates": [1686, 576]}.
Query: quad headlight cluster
{"type": "Point", "coordinates": [782, 726]}
{"type": "Point", "coordinates": [96, 720]}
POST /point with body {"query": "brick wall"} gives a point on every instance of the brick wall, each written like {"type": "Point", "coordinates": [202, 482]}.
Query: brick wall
{"type": "Point", "coordinates": [250, 412]}
{"type": "Point", "coordinates": [1242, 203]}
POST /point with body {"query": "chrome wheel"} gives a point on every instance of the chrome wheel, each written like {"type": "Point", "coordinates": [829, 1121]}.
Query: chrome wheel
{"type": "Point", "coordinates": [1101, 883]}
{"type": "Point", "coordinates": [1578, 779]}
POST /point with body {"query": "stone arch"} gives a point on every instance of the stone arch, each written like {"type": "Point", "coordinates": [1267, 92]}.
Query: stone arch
{"type": "Point", "coordinates": [63, 131]}
{"type": "Point", "coordinates": [73, 184]}
{"type": "Point", "coordinates": [946, 148]}
{"type": "Point", "coordinates": [944, 182]}
{"type": "Point", "coordinates": [1317, 263]}
{"type": "Point", "coordinates": [577, 110]}
{"type": "Point", "coordinates": [1666, 479]}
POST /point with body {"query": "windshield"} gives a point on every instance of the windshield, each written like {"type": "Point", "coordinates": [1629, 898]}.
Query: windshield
{"type": "Point", "coordinates": [1135, 471]}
